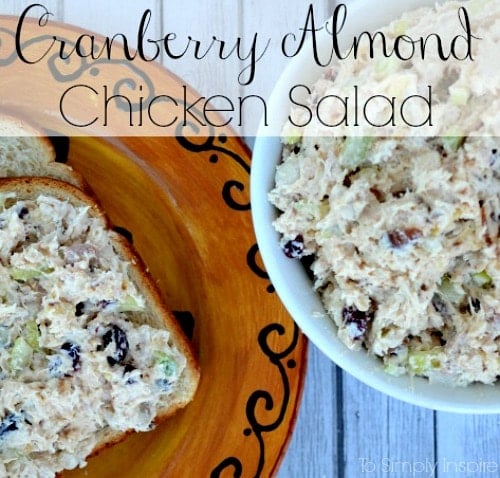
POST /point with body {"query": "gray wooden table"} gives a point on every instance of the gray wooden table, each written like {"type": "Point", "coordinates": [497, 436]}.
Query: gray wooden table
{"type": "Point", "coordinates": [344, 429]}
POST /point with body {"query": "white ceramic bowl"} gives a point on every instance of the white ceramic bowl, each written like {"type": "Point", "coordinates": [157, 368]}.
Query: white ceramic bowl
{"type": "Point", "coordinates": [289, 277]}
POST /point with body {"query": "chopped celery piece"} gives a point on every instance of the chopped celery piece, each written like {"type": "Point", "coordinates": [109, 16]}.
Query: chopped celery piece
{"type": "Point", "coordinates": [482, 279]}
{"type": "Point", "coordinates": [399, 27]}
{"type": "Point", "coordinates": [21, 354]}
{"type": "Point", "coordinates": [356, 150]}
{"type": "Point", "coordinates": [450, 290]}
{"type": "Point", "coordinates": [168, 364]}
{"type": "Point", "coordinates": [477, 6]}
{"type": "Point", "coordinates": [23, 275]}
{"type": "Point", "coordinates": [459, 95]}
{"type": "Point", "coordinates": [315, 210]}
{"type": "Point", "coordinates": [292, 137]}
{"type": "Point", "coordinates": [130, 304]}
{"type": "Point", "coordinates": [386, 66]}
{"type": "Point", "coordinates": [392, 369]}
{"type": "Point", "coordinates": [31, 334]}
{"type": "Point", "coordinates": [291, 140]}
{"type": "Point", "coordinates": [424, 361]}
{"type": "Point", "coordinates": [453, 140]}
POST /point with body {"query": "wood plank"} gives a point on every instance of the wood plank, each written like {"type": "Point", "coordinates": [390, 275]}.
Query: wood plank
{"type": "Point", "coordinates": [273, 20]}
{"type": "Point", "coordinates": [110, 17]}
{"type": "Point", "coordinates": [16, 7]}
{"type": "Point", "coordinates": [382, 435]}
{"type": "Point", "coordinates": [468, 445]}
{"type": "Point", "coordinates": [313, 449]}
{"type": "Point", "coordinates": [209, 76]}
{"type": "Point", "coordinates": [366, 434]}
{"type": "Point", "coordinates": [411, 432]}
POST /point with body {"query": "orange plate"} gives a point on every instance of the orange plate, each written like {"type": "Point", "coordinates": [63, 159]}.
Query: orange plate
{"type": "Point", "coordinates": [186, 202]}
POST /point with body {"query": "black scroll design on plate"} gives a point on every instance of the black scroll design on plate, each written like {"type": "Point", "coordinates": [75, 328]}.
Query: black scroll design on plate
{"type": "Point", "coordinates": [215, 145]}
{"type": "Point", "coordinates": [74, 67]}
{"type": "Point", "coordinates": [10, 58]}
{"type": "Point", "coordinates": [256, 268]}
{"type": "Point", "coordinates": [257, 428]}
{"type": "Point", "coordinates": [261, 404]}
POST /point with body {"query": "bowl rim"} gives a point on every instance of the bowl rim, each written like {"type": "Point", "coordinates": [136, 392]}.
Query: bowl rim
{"type": "Point", "coordinates": [301, 302]}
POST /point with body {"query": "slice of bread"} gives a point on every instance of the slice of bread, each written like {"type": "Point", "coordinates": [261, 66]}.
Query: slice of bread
{"type": "Point", "coordinates": [88, 350]}
{"type": "Point", "coordinates": [25, 151]}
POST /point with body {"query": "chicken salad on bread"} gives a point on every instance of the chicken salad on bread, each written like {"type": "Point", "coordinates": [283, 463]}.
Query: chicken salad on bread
{"type": "Point", "coordinates": [88, 351]}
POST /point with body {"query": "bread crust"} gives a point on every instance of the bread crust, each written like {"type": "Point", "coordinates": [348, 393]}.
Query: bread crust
{"type": "Point", "coordinates": [161, 317]}
{"type": "Point", "coordinates": [18, 129]}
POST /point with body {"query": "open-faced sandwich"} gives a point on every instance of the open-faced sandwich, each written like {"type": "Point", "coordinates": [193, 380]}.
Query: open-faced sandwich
{"type": "Point", "coordinates": [88, 351]}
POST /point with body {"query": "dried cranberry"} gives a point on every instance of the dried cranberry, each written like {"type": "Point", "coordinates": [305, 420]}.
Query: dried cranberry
{"type": "Point", "coordinates": [399, 238]}
{"type": "Point", "coordinates": [476, 304]}
{"type": "Point", "coordinates": [23, 213]}
{"type": "Point", "coordinates": [111, 361]}
{"type": "Point", "coordinates": [9, 424]}
{"type": "Point", "coordinates": [357, 321]}
{"type": "Point", "coordinates": [127, 368]}
{"type": "Point", "coordinates": [79, 309]}
{"type": "Point", "coordinates": [438, 336]}
{"type": "Point", "coordinates": [440, 306]}
{"type": "Point", "coordinates": [379, 195]}
{"type": "Point", "coordinates": [121, 346]}
{"type": "Point", "coordinates": [347, 182]}
{"type": "Point", "coordinates": [102, 304]}
{"type": "Point", "coordinates": [73, 351]}
{"type": "Point", "coordinates": [468, 307]}
{"type": "Point", "coordinates": [294, 248]}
